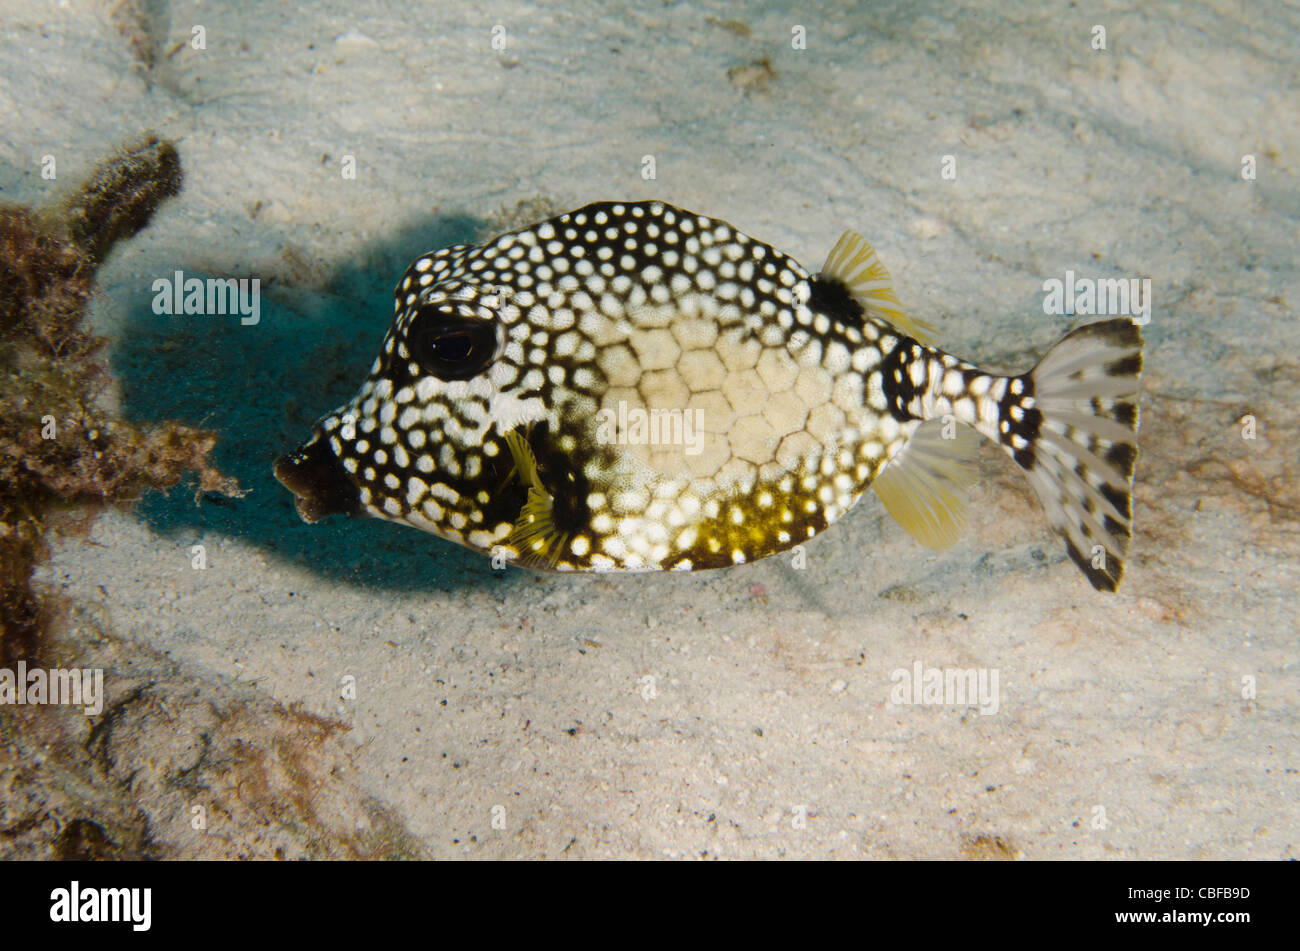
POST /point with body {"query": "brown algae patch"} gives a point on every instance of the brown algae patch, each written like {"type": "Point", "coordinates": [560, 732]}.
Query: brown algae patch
{"type": "Point", "coordinates": [59, 450]}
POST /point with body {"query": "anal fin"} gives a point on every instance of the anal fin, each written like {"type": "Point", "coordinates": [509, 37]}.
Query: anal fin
{"type": "Point", "coordinates": [925, 487]}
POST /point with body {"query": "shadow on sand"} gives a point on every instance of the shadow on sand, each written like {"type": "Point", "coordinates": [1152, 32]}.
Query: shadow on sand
{"type": "Point", "coordinates": [261, 387]}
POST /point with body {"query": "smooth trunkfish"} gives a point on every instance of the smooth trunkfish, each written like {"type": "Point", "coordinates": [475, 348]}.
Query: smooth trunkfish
{"type": "Point", "coordinates": [631, 386]}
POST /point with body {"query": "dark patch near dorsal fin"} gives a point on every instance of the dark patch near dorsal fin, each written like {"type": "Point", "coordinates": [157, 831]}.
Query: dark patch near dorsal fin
{"type": "Point", "coordinates": [854, 262]}
{"type": "Point", "coordinates": [830, 296]}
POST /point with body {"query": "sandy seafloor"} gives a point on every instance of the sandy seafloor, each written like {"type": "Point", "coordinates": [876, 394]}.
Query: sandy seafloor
{"type": "Point", "coordinates": [1122, 730]}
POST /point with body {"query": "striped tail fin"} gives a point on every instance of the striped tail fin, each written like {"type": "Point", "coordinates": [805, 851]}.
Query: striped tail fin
{"type": "Point", "coordinates": [1071, 423]}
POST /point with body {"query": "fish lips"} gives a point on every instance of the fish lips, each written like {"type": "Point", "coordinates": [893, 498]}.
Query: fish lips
{"type": "Point", "coordinates": [318, 482]}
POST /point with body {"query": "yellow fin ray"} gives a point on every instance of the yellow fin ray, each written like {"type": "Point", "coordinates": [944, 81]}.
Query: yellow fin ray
{"type": "Point", "coordinates": [926, 486]}
{"type": "Point", "coordinates": [854, 262]}
{"type": "Point", "coordinates": [534, 534]}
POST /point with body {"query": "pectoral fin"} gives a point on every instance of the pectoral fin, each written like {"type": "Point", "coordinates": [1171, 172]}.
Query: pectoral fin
{"type": "Point", "coordinates": [534, 535]}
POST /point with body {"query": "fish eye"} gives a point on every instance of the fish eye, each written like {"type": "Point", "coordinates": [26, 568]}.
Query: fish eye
{"type": "Point", "coordinates": [450, 345]}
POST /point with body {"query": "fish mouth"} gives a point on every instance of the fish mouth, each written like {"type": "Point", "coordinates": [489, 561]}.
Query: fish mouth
{"type": "Point", "coordinates": [316, 478]}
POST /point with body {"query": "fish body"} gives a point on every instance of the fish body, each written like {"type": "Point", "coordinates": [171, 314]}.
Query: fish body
{"type": "Point", "coordinates": [632, 386]}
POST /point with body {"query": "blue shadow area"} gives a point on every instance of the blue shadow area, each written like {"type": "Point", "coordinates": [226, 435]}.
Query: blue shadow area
{"type": "Point", "coordinates": [261, 387]}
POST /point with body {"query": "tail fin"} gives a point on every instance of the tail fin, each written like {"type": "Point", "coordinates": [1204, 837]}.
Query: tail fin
{"type": "Point", "coordinates": [1071, 424]}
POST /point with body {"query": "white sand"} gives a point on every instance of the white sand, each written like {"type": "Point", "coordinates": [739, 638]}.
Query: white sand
{"type": "Point", "coordinates": [1122, 729]}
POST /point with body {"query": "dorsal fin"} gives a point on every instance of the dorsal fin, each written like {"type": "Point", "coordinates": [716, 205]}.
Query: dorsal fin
{"type": "Point", "coordinates": [854, 262]}
{"type": "Point", "coordinates": [926, 486]}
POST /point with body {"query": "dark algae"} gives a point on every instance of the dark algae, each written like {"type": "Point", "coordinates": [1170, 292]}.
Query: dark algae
{"type": "Point", "coordinates": [61, 454]}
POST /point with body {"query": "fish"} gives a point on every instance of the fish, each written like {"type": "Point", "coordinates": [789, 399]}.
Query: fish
{"type": "Point", "coordinates": [631, 386]}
